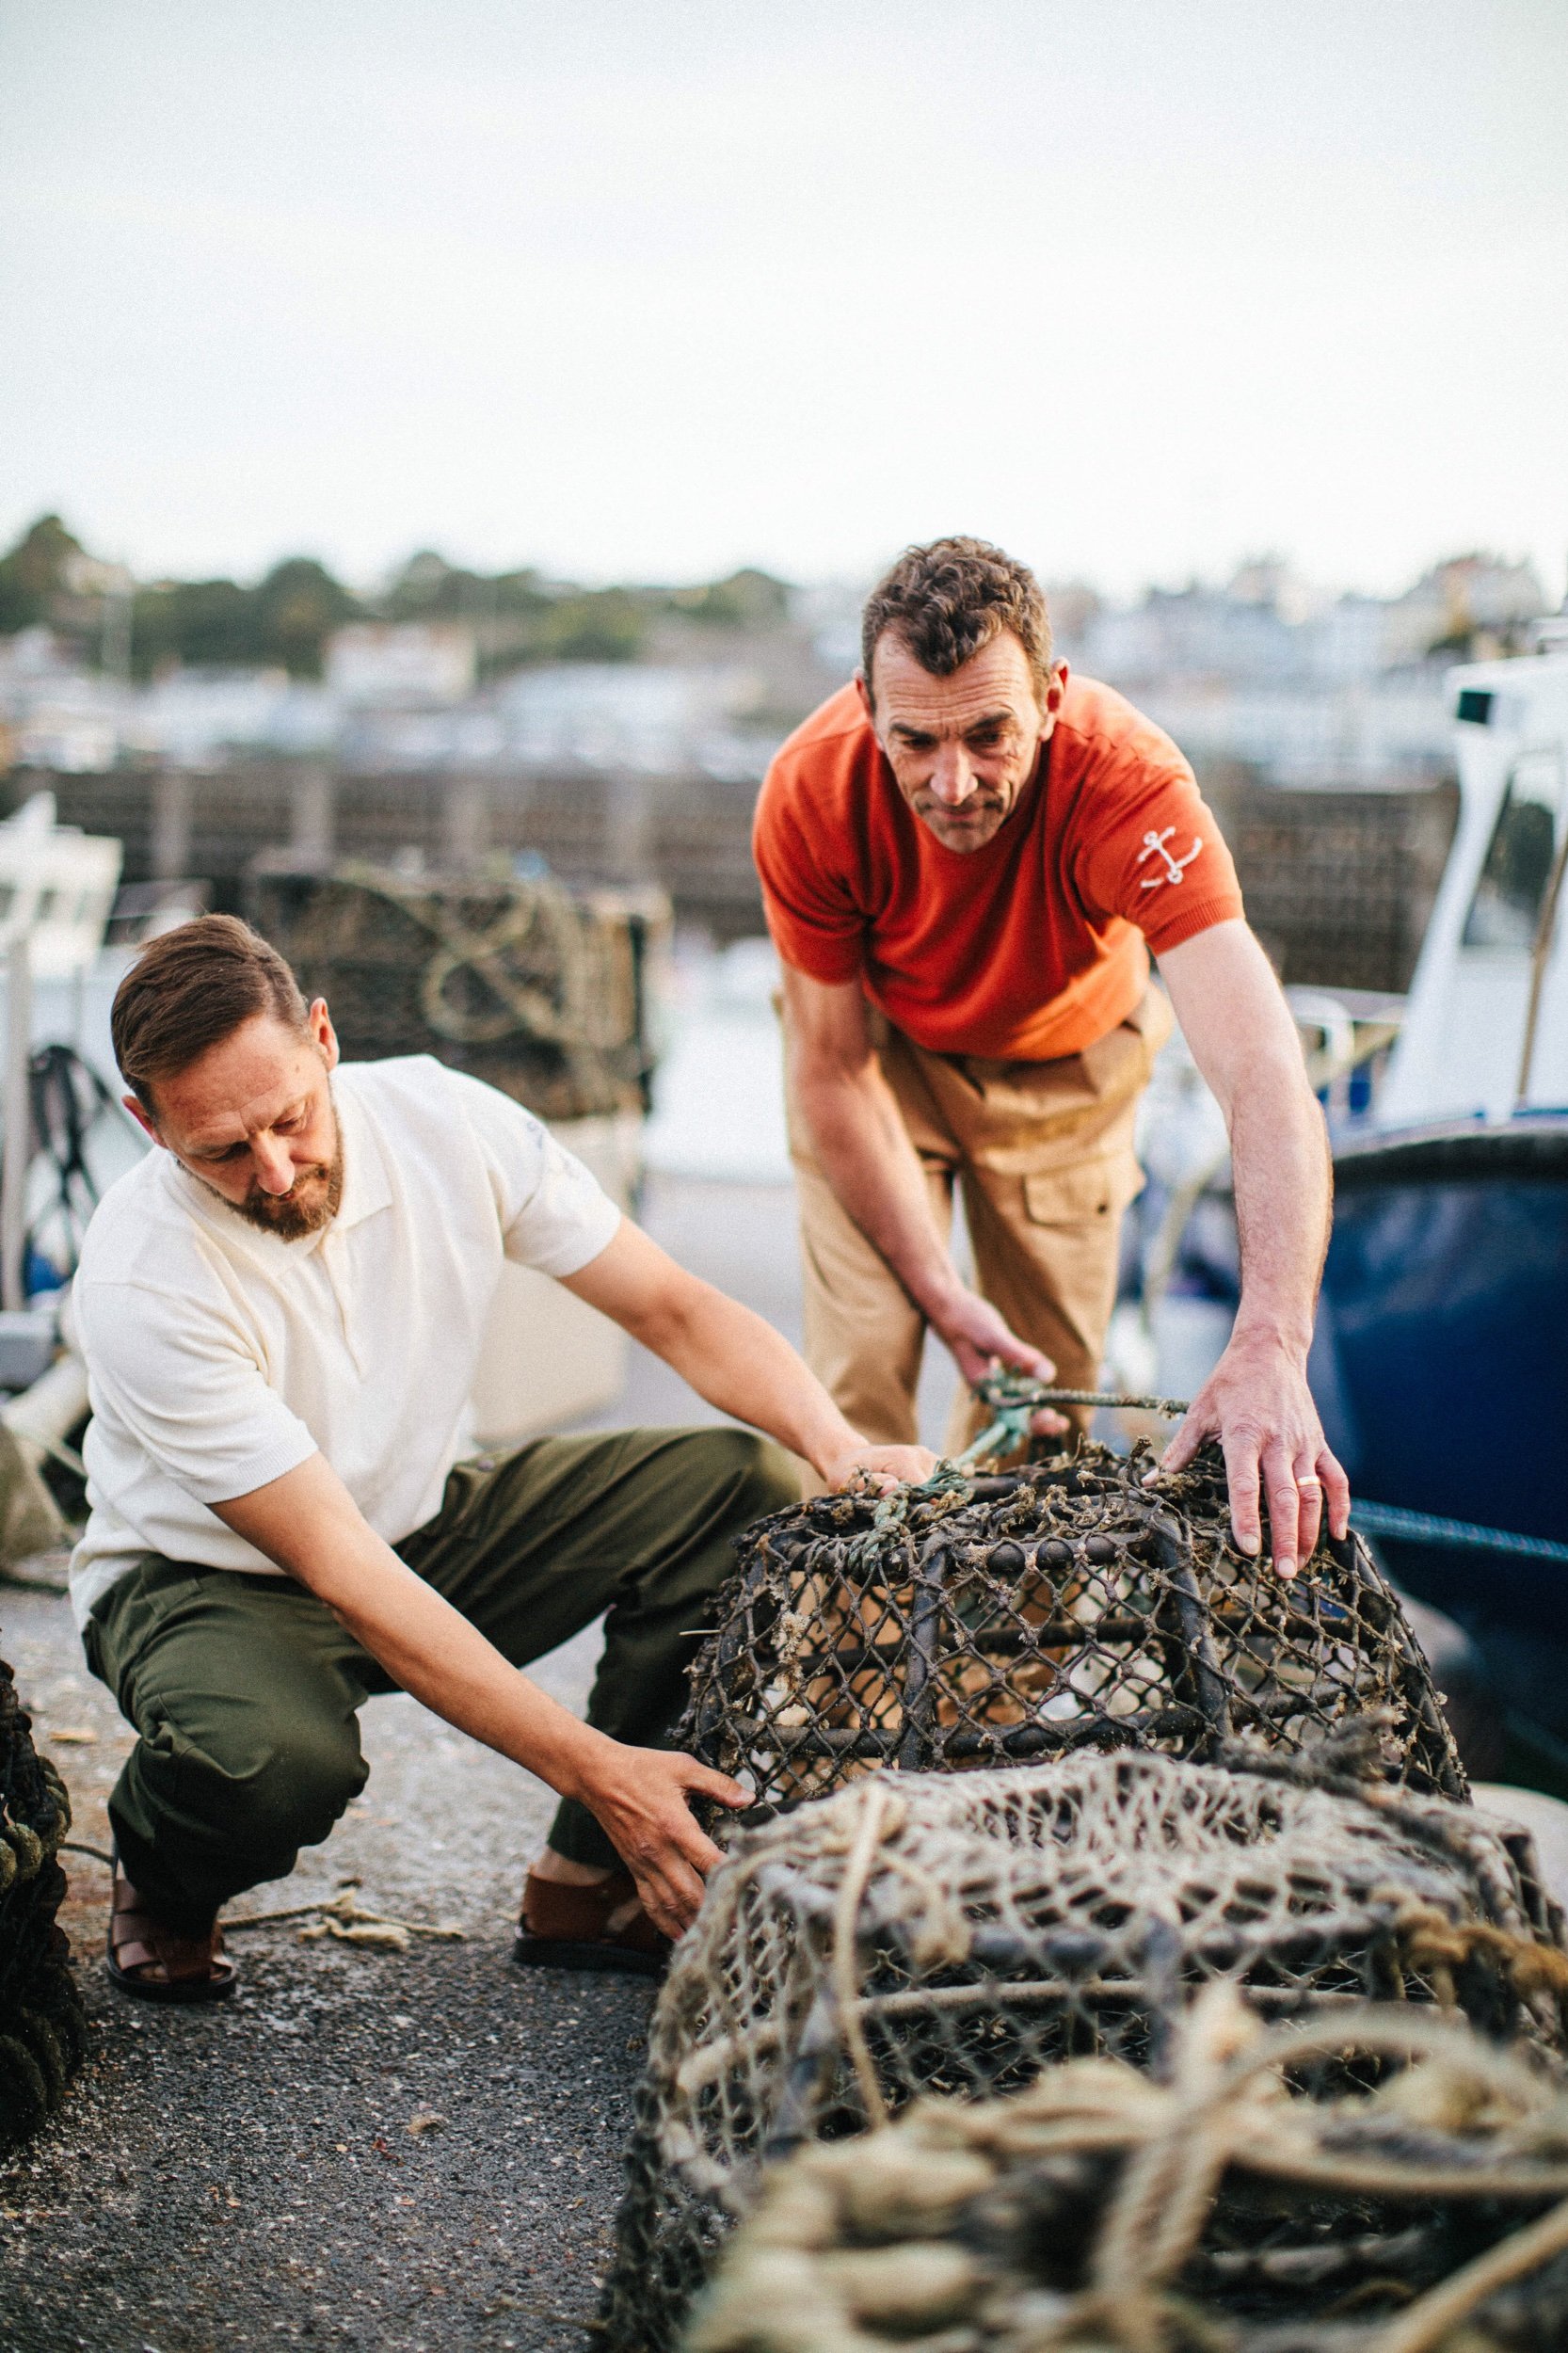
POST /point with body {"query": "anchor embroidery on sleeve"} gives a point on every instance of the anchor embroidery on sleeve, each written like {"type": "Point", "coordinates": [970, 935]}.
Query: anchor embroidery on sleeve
{"type": "Point", "coordinates": [1154, 847]}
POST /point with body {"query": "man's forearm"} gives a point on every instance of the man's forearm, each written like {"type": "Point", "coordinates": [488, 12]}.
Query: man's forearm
{"type": "Point", "coordinates": [425, 1645]}
{"type": "Point", "coordinates": [308, 1523]}
{"type": "Point", "coordinates": [1257, 1400]}
{"type": "Point", "coordinates": [740, 1364]}
{"type": "Point", "coordinates": [876, 1175]}
{"type": "Point", "coordinates": [1280, 1172]}
{"type": "Point", "coordinates": [1245, 1043]}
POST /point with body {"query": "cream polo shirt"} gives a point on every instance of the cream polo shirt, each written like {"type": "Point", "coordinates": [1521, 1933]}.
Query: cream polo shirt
{"type": "Point", "coordinates": [219, 1357]}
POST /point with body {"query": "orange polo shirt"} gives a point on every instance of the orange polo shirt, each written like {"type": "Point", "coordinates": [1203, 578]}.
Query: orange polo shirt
{"type": "Point", "coordinates": [1036, 945]}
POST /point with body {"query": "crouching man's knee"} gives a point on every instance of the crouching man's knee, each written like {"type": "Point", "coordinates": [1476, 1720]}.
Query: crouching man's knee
{"type": "Point", "coordinates": [773, 1479]}
{"type": "Point", "coordinates": [293, 1797]}
{"type": "Point", "coordinates": [196, 1820]}
{"type": "Point", "coordinates": [759, 1477]}
{"type": "Point", "coordinates": [245, 1814]}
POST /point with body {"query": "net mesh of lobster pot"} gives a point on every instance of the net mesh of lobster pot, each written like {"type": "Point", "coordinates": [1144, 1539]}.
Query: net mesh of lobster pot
{"type": "Point", "coordinates": [1222, 2211]}
{"type": "Point", "coordinates": [43, 2027]}
{"type": "Point", "coordinates": [956, 1935]}
{"type": "Point", "coordinates": [990, 1621]}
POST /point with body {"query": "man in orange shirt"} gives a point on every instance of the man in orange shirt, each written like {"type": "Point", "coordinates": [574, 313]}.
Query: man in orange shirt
{"type": "Point", "coordinates": [966, 858]}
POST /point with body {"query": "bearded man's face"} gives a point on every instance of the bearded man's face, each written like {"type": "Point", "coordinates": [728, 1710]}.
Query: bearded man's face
{"type": "Point", "coordinates": [254, 1120]}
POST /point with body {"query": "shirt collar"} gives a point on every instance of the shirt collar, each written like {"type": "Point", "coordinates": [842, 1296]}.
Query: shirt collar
{"type": "Point", "coordinates": [366, 1186]}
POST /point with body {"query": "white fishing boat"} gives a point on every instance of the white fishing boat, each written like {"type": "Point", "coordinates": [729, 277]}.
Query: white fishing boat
{"type": "Point", "coordinates": [1440, 1361]}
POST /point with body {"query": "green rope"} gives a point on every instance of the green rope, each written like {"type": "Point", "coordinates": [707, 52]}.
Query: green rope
{"type": "Point", "coordinates": [1014, 1399]}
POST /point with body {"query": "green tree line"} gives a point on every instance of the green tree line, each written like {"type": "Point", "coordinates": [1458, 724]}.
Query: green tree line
{"type": "Point", "coordinates": [285, 618]}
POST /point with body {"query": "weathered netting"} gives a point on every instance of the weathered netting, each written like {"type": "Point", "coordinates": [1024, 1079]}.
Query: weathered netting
{"type": "Point", "coordinates": [956, 1935]}
{"type": "Point", "coordinates": [1225, 2210]}
{"type": "Point", "coordinates": [541, 991]}
{"type": "Point", "coordinates": [42, 2028]}
{"type": "Point", "coordinates": [994, 1619]}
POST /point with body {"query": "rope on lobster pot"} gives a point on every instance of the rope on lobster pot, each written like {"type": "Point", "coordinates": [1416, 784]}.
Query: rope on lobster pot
{"type": "Point", "coordinates": [1014, 1399]}
{"type": "Point", "coordinates": [1097, 2209]}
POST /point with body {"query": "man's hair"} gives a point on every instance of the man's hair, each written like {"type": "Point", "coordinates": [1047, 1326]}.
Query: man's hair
{"type": "Point", "coordinates": [190, 989]}
{"type": "Point", "coordinates": [945, 601]}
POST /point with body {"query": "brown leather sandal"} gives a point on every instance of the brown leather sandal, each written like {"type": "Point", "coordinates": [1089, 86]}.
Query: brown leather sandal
{"type": "Point", "coordinates": [602, 1926]}
{"type": "Point", "coordinates": [194, 1968]}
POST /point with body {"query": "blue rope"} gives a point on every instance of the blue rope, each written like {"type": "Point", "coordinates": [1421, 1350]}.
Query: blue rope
{"type": "Point", "coordinates": [1389, 1519]}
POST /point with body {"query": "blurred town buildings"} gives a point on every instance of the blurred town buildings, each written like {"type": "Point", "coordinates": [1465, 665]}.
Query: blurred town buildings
{"type": "Point", "coordinates": [454, 719]}
{"type": "Point", "coordinates": [1304, 688]}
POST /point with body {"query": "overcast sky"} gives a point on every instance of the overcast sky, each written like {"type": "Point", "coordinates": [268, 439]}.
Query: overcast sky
{"type": "Point", "coordinates": [651, 288]}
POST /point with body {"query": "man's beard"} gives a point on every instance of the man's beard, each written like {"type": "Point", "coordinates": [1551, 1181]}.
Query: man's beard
{"type": "Point", "coordinates": [311, 1201]}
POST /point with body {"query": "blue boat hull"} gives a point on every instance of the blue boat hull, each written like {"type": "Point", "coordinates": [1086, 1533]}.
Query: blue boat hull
{"type": "Point", "coordinates": [1440, 1366]}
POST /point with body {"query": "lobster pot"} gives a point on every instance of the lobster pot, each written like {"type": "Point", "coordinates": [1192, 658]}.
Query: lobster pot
{"type": "Point", "coordinates": [1224, 2208]}
{"type": "Point", "coordinates": [43, 2027]}
{"type": "Point", "coordinates": [954, 1936]}
{"type": "Point", "coordinates": [995, 1620]}
{"type": "Point", "coordinates": [542, 992]}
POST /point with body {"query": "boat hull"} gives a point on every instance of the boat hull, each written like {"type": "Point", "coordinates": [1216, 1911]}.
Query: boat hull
{"type": "Point", "coordinates": [1440, 1366]}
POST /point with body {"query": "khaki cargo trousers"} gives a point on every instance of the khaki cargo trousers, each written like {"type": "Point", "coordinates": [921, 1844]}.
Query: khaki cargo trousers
{"type": "Point", "coordinates": [1042, 1152]}
{"type": "Point", "coordinates": [245, 1690]}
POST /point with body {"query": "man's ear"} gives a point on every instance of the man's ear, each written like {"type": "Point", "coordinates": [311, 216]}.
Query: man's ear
{"type": "Point", "coordinates": [323, 1034]}
{"type": "Point", "coordinates": [138, 1111]}
{"type": "Point", "coordinates": [1056, 687]}
{"type": "Point", "coordinates": [865, 694]}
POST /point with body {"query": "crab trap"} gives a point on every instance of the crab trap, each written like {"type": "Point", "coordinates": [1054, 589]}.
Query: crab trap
{"type": "Point", "coordinates": [992, 1621]}
{"type": "Point", "coordinates": [42, 2026]}
{"type": "Point", "coordinates": [919, 1935]}
{"type": "Point", "coordinates": [1224, 2211]}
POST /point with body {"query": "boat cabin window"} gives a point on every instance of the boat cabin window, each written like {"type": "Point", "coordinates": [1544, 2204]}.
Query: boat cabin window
{"type": "Point", "coordinates": [1506, 909]}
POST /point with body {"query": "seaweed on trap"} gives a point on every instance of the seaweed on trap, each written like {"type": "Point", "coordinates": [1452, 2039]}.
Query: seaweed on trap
{"type": "Point", "coordinates": [990, 1621]}
{"type": "Point", "coordinates": [42, 2026]}
{"type": "Point", "coordinates": [963, 1936]}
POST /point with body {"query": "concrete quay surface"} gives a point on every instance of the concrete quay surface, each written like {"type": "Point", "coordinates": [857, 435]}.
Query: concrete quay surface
{"type": "Point", "coordinates": [411, 2152]}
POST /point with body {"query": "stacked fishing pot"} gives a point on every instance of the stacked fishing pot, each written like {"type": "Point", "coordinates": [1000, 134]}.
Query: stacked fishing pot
{"type": "Point", "coordinates": [542, 992]}
{"type": "Point", "coordinates": [42, 2028]}
{"type": "Point", "coordinates": [1058, 1798]}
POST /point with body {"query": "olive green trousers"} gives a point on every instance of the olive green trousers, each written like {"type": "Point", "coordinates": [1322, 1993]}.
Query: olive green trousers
{"type": "Point", "coordinates": [245, 1689]}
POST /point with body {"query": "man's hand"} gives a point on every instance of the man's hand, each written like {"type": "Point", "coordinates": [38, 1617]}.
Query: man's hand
{"type": "Point", "coordinates": [981, 1340]}
{"type": "Point", "coordinates": [639, 1798]}
{"type": "Point", "coordinates": [1257, 1403]}
{"type": "Point", "coordinates": [881, 1466]}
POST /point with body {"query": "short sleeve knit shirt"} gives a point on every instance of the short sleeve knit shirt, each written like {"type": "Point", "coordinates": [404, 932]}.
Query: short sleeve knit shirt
{"type": "Point", "coordinates": [219, 1356]}
{"type": "Point", "coordinates": [1036, 945]}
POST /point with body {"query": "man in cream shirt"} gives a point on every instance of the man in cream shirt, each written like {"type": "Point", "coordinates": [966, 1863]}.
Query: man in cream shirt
{"type": "Point", "coordinates": [281, 1310]}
